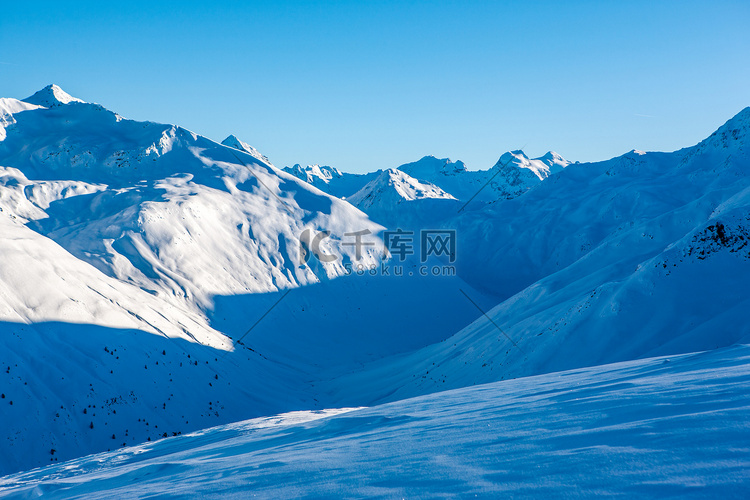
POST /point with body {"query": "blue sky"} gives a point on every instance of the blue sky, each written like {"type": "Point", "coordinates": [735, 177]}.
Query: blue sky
{"type": "Point", "coordinates": [367, 85]}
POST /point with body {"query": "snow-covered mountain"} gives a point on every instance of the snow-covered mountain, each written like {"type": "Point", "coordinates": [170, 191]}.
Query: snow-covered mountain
{"type": "Point", "coordinates": [330, 179]}
{"type": "Point", "coordinates": [117, 238]}
{"type": "Point", "coordinates": [512, 175]}
{"type": "Point", "coordinates": [382, 194]}
{"type": "Point", "coordinates": [138, 258]}
{"type": "Point", "coordinates": [173, 213]}
{"type": "Point", "coordinates": [392, 188]}
{"type": "Point", "coordinates": [646, 254]}
{"type": "Point", "coordinates": [155, 282]}
{"type": "Point", "coordinates": [235, 143]}
{"type": "Point", "coordinates": [396, 199]}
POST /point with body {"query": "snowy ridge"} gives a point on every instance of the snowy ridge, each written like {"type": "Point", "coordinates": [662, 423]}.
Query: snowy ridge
{"type": "Point", "coordinates": [330, 179]}
{"type": "Point", "coordinates": [512, 175]}
{"type": "Point", "coordinates": [156, 223]}
{"type": "Point", "coordinates": [543, 167]}
{"type": "Point", "coordinates": [50, 96]}
{"type": "Point", "coordinates": [428, 167]}
{"type": "Point", "coordinates": [392, 188]}
{"type": "Point", "coordinates": [641, 255]}
{"type": "Point", "coordinates": [315, 174]}
{"type": "Point", "coordinates": [235, 143]}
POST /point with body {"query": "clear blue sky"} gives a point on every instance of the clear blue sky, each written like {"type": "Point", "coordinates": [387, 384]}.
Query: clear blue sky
{"type": "Point", "coordinates": [367, 85]}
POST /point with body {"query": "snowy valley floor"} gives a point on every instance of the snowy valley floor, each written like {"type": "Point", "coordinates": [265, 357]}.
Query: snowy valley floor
{"type": "Point", "coordinates": [671, 426]}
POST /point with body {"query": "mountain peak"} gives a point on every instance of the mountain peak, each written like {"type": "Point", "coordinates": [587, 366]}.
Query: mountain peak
{"type": "Point", "coordinates": [314, 174]}
{"type": "Point", "coordinates": [542, 167]}
{"type": "Point", "coordinates": [552, 156]}
{"type": "Point", "coordinates": [429, 166]}
{"type": "Point", "coordinates": [233, 142]}
{"type": "Point", "coordinates": [733, 133]}
{"type": "Point", "coordinates": [516, 158]}
{"type": "Point", "coordinates": [392, 187]}
{"type": "Point", "coordinates": [51, 95]}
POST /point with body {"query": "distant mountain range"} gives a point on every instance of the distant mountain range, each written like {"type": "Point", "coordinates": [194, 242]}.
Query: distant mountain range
{"type": "Point", "coordinates": [512, 175]}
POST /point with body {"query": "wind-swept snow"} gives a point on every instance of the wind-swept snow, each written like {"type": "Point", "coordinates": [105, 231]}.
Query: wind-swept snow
{"type": "Point", "coordinates": [660, 427]}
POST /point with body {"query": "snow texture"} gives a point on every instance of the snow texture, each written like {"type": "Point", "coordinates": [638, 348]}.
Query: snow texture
{"type": "Point", "coordinates": [661, 427]}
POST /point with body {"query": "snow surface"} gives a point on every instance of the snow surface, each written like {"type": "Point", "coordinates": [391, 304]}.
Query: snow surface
{"type": "Point", "coordinates": [661, 427]}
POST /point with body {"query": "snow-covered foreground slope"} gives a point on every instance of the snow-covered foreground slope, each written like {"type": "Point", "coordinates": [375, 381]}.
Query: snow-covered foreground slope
{"type": "Point", "coordinates": [81, 388]}
{"type": "Point", "coordinates": [661, 427]}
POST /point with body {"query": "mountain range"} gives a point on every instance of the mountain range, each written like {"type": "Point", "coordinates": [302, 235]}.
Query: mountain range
{"type": "Point", "coordinates": [154, 282]}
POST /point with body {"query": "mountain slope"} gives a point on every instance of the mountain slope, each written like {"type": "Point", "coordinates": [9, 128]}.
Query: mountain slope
{"type": "Point", "coordinates": [142, 272]}
{"type": "Point", "coordinates": [397, 200]}
{"type": "Point", "coordinates": [180, 215]}
{"type": "Point", "coordinates": [235, 143]}
{"type": "Point", "coordinates": [648, 429]}
{"type": "Point", "coordinates": [641, 255]}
